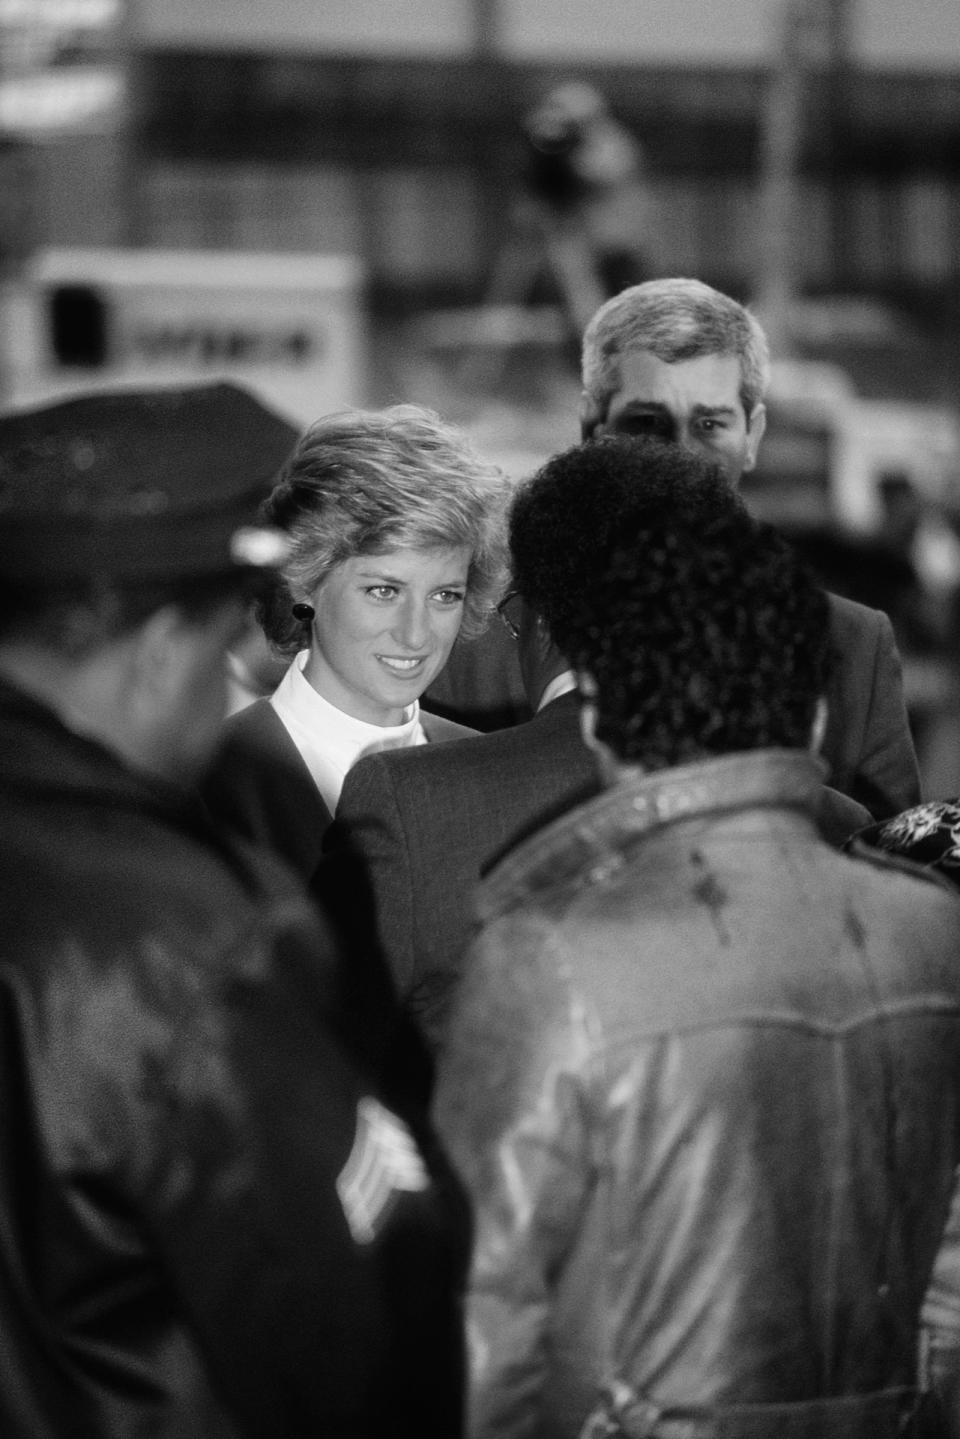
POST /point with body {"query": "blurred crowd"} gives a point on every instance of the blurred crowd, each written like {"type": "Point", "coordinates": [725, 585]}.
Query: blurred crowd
{"type": "Point", "coordinates": [478, 958]}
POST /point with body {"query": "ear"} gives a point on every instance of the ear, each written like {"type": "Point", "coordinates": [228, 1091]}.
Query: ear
{"type": "Point", "coordinates": [133, 685]}
{"type": "Point", "coordinates": [587, 689]}
{"type": "Point", "coordinates": [608, 766]}
{"type": "Point", "coordinates": [756, 425]}
{"type": "Point", "coordinates": [819, 727]}
{"type": "Point", "coordinates": [156, 656]}
{"type": "Point", "coordinates": [536, 654]}
{"type": "Point", "coordinates": [591, 416]}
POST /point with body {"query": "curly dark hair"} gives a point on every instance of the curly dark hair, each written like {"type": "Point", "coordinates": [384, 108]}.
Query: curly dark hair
{"type": "Point", "coordinates": [702, 628]}
{"type": "Point", "coordinates": [566, 518]}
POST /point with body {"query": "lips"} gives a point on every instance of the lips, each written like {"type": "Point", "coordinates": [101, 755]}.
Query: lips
{"type": "Point", "coordinates": [400, 666]}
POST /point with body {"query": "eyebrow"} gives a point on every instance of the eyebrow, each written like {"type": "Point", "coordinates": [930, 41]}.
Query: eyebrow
{"type": "Point", "coordinates": [384, 577]}
{"type": "Point", "coordinates": [715, 410]}
{"type": "Point", "coordinates": [640, 406]}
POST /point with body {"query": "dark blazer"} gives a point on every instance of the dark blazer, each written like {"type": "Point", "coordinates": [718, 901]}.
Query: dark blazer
{"type": "Point", "coordinates": [426, 823]}
{"type": "Point", "coordinates": [868, 747]}
{"type": "Point", "coordinates": [259, 787]}
{"type": "Point", "coordinates": [425, 832]}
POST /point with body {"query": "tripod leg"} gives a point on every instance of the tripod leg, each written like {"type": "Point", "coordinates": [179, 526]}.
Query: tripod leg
{"type": "Point", "coordinates": [572, 260]}
{"type": "Point", "coordinates": [511, 281]}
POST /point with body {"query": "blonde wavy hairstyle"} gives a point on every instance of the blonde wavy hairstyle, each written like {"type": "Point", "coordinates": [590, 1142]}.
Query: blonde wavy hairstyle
{"type": "Point", "coordinates": [361, 482]}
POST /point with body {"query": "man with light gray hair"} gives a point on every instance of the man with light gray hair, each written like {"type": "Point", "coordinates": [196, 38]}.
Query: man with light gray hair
{"type": "Point", "coordinates": [679, 360]}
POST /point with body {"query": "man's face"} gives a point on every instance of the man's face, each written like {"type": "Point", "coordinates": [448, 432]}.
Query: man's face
{"type": "Point", "coordinates": [695, 403]}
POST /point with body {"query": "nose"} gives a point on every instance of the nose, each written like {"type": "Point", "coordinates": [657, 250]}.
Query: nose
{"type": "Point", "coordinates": [689, 440]}
{"type": "Point", "coordinates": [411, 626]}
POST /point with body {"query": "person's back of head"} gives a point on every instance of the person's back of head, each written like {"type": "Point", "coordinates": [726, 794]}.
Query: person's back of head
{"type": "Point", "coordinates": [702, 639]}
{"type": "Point", "coordinates": [701, 629]}
{"type": "Point", "coordinates": [566, 518]}
{"type": "Point", "coordinates": [675, 319]}
{"type": "Point", "coordinates": [126, 516]}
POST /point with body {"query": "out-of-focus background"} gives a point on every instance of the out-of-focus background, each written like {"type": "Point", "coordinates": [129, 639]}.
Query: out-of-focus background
{"type": "Point", "coordinates": [348, 201]}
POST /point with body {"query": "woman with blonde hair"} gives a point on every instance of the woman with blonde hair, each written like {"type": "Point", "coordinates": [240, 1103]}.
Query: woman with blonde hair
{"type": "Point", "coordinates": [395, 528]}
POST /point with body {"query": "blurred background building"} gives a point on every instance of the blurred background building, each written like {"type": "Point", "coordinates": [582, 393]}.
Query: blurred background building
{"type": "Point", "coordinates": [325, 196]}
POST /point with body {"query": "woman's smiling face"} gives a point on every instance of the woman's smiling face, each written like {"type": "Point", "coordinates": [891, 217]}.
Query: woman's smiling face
{"type": "Point", "coordinates": [384, 627]}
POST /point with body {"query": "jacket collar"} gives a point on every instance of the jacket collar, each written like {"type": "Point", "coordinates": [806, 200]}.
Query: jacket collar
{"type": "Point", "coordinates": [587, 837]}
{"type": "Point", "coordinates": [562, 684]}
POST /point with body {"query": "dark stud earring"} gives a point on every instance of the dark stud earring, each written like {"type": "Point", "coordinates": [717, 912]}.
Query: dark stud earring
{"type": "Point", "coordinates": [303, 612]}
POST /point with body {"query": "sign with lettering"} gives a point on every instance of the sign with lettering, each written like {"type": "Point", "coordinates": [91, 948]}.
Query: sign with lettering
{"type": "Point", "coordinates": [291, 326]}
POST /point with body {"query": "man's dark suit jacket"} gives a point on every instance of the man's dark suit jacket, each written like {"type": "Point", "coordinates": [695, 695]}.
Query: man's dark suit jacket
{"type": "Point", "coordinates": [425, 825]}
{"type": "Point", "coordinates": [424, 832]}
{"type": "Point", "coordinates": [868, 747]}
{"type": "Point", "coordinates": [258, 786]}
